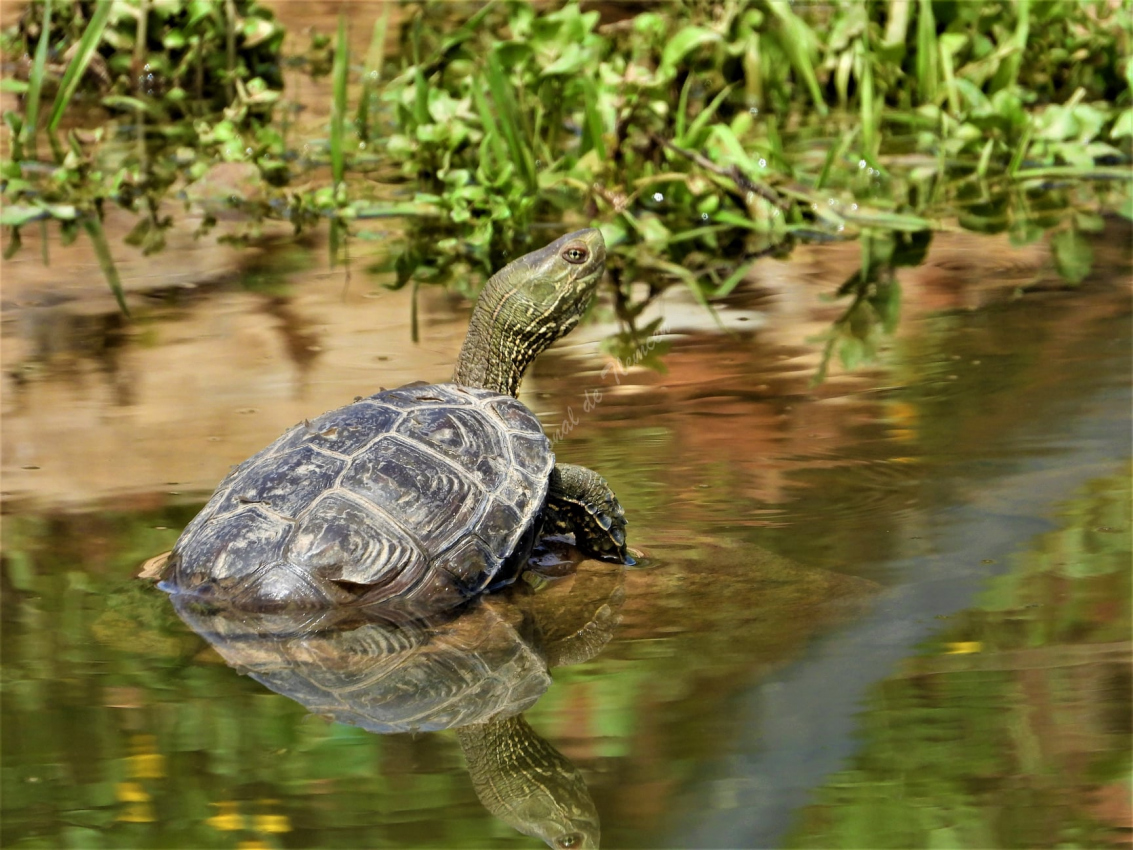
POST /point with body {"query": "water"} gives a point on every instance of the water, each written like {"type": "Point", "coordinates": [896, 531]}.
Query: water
{"type": "Point", "coordinates": [888, 610]}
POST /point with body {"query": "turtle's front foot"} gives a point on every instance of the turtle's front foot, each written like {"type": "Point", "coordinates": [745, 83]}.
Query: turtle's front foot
{"type": "Point", "coordinates": [580, 501]}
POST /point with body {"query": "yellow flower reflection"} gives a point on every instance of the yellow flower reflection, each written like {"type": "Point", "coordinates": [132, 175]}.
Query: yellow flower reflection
{"type": "Point", "coordinates": [139, 804]}
{"type": "Point", "coordinates": [228, 819]}
{"type": "Point", "coordinates": [963, 647]}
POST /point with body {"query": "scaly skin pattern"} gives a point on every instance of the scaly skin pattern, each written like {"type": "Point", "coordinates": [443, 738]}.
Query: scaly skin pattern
{"type": "Point", "coordinates": [527, 783]}
{"type": "Point", "coordinates": [579, 500]}
{"type": "Point", "coordinates": [525, 307]}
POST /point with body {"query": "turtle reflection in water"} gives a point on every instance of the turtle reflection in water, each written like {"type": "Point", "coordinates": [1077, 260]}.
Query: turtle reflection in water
{"type": "Point", "coordinates": [421, 496]}
{"type": "Point", "coordinates": [474, 671]}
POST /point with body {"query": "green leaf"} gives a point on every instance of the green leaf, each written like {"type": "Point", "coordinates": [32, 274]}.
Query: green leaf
{"type": "Point", "coordinates": [138, 232]}
{"type": "Point", "coordinates": [62, 212]}
{"type": "Point", "coordinates": [442, 106]}
{"type": "Point", "coordinates": [88, 44]}
{"type": "Point", "coordinates": [35, 79]}
{"type": "Point", "coordinates": [1123, 126]}
{"type": "Point", "coordinates": [735, 220]}
{"type": "Point", "coordinates": [733, 280]}
{"type": "Point", "coordinates": [593, 136]}
{"type": "Point", "coordinates": [13, 244]}
{"type": "Point", "coordinates": [126, 103]}
{"type": "Point", "coordinates": [683, 43]}
{"type": "Point", "coordinates": [729, 151]}
{"type": "Point", "coordinates": [94, 230]}
{"type": "Point", "coordinates": [16, 215]}
{"type": "Point", "coordinates": [1073, 256]}
{"type": "Point", "coordinates": [851, 351]}
{"type": "Point", "coordinates": [569, 63]}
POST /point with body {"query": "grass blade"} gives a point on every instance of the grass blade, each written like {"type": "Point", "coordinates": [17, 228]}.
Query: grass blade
{"type": "Point", "coordinates": [1020, 150]}
{"type": "Point", "coordinates": [796, 36]}
{"type": "Point", "coordinates": [835, 154]}
{"type": "Point", "coordinates": [14, 244]}
{"type": "Point", "coordinates": [593, 119]}
{"type": "Point", "coordinates": [949, 44]}
{"type": "Point", "coordinates": [690, 138]}
{"type": "Point", "coordinates": [414, 336]}
{"type": "Point", "coordinates": [682, 108]}
{"type": "Point", "coordinates": [334, 240]}
{"type": "Point", "coordinates": [690, 280]}
{"type": "Point", "coordinates": [92, 35]}
{"type": "Point", "coordinates": [1008, 74]}
{"type": "Point", "coordinates": [372, 72]}
{"type": "Point", "coordinates": [928, 53]}
{"type": "Point", "coordinates": [868, 110]}
{"type": "Point", "coordinates": [506, 111]}
{"type": "Point", "coordinates": [734, 279]}
{"type": "Point", "coordinates": [492, 134]}
{"type": "Point", "coordinates": [93, 227]}
{"type": "Point", "coordinates": [338, 104]}
{"type": "Point", "coordinates": [230, 47]}
{"type": "Point", "coordinates": [985, 159]}
{"type": "Point", "coordinates": [35, 82]}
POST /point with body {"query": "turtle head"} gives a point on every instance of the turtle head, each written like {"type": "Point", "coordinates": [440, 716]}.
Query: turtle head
{"type": "Point", "coordinates": [526, 306]}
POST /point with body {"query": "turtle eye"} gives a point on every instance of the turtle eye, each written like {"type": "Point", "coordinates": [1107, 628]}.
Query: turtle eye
{"type": "Point", "coordinates": [576, 254]}
{"type": "Point", "coordinates": [572, 839]}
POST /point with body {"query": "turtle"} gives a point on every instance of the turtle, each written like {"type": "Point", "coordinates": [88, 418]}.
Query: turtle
{"type": "Point", "coordinates": [421, 496]}
{"type": "Point", "coordinates": [475, 669]}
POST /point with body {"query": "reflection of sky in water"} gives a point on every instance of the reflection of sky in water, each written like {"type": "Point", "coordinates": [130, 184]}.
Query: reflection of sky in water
{"type": "Point", "coordinates": [799, 723]}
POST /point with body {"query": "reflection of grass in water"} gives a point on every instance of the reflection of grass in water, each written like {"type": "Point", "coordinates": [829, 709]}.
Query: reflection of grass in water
{"type": "Point", "coordinates": [96, 664]}
{"type": "Point", "coordinates": [1004, 730]}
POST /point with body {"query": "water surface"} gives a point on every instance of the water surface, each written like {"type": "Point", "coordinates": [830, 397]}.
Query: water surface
{"type": "Point", "coordinates": [891, 609]}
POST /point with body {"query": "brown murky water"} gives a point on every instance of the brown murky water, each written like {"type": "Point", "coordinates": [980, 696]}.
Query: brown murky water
{"type": "Point", "coordinates": [888, 610]}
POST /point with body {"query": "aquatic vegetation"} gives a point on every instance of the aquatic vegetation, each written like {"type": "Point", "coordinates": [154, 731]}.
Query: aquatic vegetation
{"type": "Point", "coordinates": [700, 136]}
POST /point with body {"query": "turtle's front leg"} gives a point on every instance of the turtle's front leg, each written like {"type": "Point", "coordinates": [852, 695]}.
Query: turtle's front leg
{"type": "Point", "coordinates": [580, 501]}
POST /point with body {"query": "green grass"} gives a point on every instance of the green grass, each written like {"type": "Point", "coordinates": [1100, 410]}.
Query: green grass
{"type": "Point", "coordinates": [697, 140]}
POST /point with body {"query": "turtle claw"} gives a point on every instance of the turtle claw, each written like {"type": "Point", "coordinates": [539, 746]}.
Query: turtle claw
{"type": "Point", "coordinates": [580, 500]}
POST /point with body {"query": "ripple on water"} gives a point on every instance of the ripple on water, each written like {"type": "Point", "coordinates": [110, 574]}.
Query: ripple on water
{"type": "Point", "coordinates": [890, 485]}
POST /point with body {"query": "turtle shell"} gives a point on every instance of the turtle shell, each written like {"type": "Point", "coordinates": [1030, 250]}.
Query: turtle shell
{"type": "Point", "coordinates": [413, 496]}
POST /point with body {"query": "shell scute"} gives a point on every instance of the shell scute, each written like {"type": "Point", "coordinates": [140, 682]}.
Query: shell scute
{"type": "Point", "coordinates": [515, 416]}
{"type": "Point", "coordinates": [425, 493]}
{"type": "Point", "coordinates": [500, 527]}
{"type": "Point", "coordinates": [349, 429]}
{"type": "Point", "coordinates": [283, 584]}
{"type": "Point", "coordinates": [232, 547]}
{"type": "Point", "coordinates": [465, 436]}
{"type": "Point", "coordinates": [287, 485]}
{"type": "Point", "coordinates": [342, 539]}
{"type": "Point", "coordinates": [420, 394]}
{"type": "Point", "coordinates": [466, 564]}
